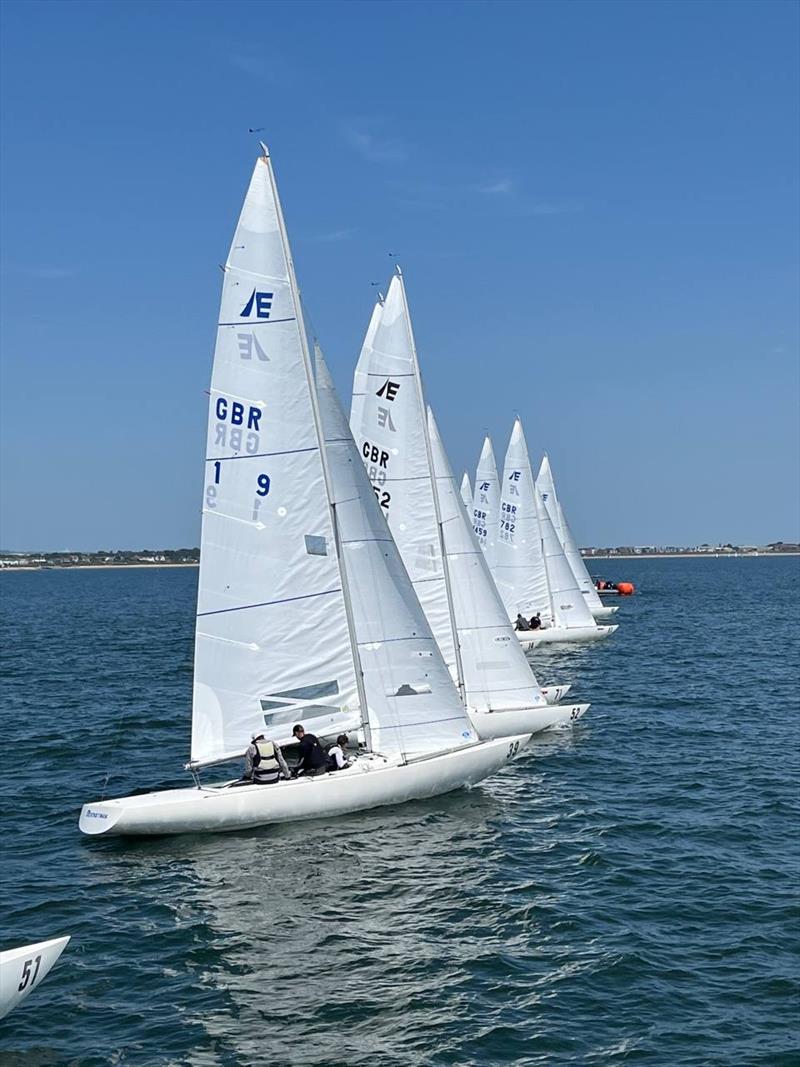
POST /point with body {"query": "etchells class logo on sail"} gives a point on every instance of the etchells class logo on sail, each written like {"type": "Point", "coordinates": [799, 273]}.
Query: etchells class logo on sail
{"type": "Point", "coordinates": [262, 302]}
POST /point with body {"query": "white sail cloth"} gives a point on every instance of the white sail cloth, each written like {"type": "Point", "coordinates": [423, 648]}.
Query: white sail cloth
{"type": "Point", "coordinates": [268, 570]}
{"type": "Point", "coordinates": [466, 492]}
{"type": "Point", "coordinates": [520, 570]}
{"type": "Point", "coordinates": [547, 487]}
{"type": "Point", "coordinates": [532, 572]}
{"type": "Point", "coordinates": [486, 504]}
{"type": "Point", "coordinates": [387, 418]}
{"type": "Point", "coordinates": [496, 673]}
{"type": "Point", "coordinates": [414, 707]}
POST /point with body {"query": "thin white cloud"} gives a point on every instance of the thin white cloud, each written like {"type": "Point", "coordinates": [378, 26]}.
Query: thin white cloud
{"type": "Point", "coordinates": [500, 187]}
{"type": "Point", "coordinates": [365, 136]}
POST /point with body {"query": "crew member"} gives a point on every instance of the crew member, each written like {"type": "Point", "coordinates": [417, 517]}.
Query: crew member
{"type": "Point", "coordinates": [521, 623]}
{"type": "Point", "coordinates": [312, 756]}
{"type": "Point", "coordinates": [536, 621]}
{"type": "Point", "coordinates": [264, 762]}
{"type": "Point", "coordinates": [337, 760]}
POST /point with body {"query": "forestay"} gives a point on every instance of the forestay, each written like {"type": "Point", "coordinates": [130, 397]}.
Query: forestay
{"type": "Point", "coordinates": [269, 573]}
{"type": "Point", "coordinates": [520, 570]}
{"type": "Point", "coordinates": [414, 708]}
{"type": "Point", "coordinates": [387, 418]}
{"type": "Point", "coordinates": [547, 487]}
{"type": "Point", "coordinates": [496, 673]}
{"type": "Point", "coordinates": [486, 504]}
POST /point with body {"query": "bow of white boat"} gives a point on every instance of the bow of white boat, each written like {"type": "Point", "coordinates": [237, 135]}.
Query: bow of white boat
{"type": "Point", "coordinates": [24, 969]}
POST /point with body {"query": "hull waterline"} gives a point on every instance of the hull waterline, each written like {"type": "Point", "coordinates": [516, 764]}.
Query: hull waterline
{"type": "Point", "coordinates": [371, 782]}
{"type": "Point", "coordinates": [562, 635]}
{"type": "Point", "coordinates": [508, 722]}
{"type": "Point", "coordinates": [603, 612]}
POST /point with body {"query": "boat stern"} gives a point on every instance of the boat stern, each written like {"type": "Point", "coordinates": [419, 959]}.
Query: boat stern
{"type": "Point", "coordinates": [99, 817]}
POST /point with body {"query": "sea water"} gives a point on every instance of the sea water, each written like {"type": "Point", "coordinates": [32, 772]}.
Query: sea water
{"type": "Point", "coordinates": [627, 892]}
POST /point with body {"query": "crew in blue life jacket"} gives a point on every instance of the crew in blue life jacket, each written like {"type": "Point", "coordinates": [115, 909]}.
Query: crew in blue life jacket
{"type": "Point", "coordinates": [337, 760]}
{"type": "Point", "coordinates": [312, 756]}
{"type": "Point", "coordinates": [521, 622]}
{"type": "Point", "coordinates": [264, 762]}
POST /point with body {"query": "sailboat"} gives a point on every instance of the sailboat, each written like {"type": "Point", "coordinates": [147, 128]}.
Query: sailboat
{"type": "Point", "coordinates": [531, 570]}
{"type": "Point", "coordinates": [24, 969]}
{"type": "Point", "coordinates": [486, 504]}
{"type": "Point", "coordinates": [413, 481]}
{"type": "Point", "coordinates": [293, 545]}
{"type": "Point", "coordinates": [466, 491]}
{"type": "Point", "coordinates": [547, 487]}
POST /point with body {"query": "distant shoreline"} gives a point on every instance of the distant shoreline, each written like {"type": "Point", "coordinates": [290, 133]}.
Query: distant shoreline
{"type": "Point", "coordinates": [693, 555]}
{"type": "Point", "coordinates": [97, 567]}
{"type": "Point", "coordinates": [586, 559]}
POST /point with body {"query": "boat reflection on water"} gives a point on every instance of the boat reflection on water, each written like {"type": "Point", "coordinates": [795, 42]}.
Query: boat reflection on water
{"type": "Point", "coordinates": [293, 931]}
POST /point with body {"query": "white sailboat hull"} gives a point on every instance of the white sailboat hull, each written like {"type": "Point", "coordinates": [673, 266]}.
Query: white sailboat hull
{"type": "Point", "coordinates": [371, 782]}
{"type": "Point", "coordinates": [23, 969]}
{"type": "Point", "coordinates": [511, 721]}
{"type": "Point", "coordinates": [564, 635]}
{"type": "Point", "coordinates": [603, 612]}
{"type": "Point", "coordinates": [554, 694]}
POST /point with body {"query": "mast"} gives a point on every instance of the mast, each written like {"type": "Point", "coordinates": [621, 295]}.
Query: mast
{"type": "Point", "coordinates": [435, 492]}
{"type": "Point", "coordinates": [312, 388]}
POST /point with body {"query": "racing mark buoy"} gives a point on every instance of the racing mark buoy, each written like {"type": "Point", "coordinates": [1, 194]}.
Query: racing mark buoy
{"type": "Point", "coordinates": [625, 588]}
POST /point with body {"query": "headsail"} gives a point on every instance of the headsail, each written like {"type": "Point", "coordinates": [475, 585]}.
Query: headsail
{"type": "Point", "coordinates": [496, 673]}
{"type": "Point", "coordinates": [547, 487]}
{"type": "Point", "coordinates": [486, 504]}
{"type": "Point", "coordinates": [414, 708]}
{"type": "Point", "coordinates": [520, 570]}
{"type": "Point", "coordinates": [269, 571]}
{"type": "Point", "coordinates": [568, 606]}
{"type": "Point", "coordinates": [388, 421]}
{"type": "Point", "coordinates": [466, 492]}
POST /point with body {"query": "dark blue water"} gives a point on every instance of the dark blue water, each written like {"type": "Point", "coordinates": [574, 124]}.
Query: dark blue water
{"type": "Point", "coordinates": [625, 893]}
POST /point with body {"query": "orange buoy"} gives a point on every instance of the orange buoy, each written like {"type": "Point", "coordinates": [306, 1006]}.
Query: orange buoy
{"type": "Point", "coordinates": [625, 588]}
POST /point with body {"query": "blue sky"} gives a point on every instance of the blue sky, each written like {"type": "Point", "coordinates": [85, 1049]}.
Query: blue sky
{"type": "Point", "coordinates": [595, 206]}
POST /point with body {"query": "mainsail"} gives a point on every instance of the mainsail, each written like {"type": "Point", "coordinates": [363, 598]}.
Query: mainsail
{"type": "Point", "coordinates": [520, 570]}
{"type": "Point", "coordinates": [414, 708]}
{"type": "Point", "coordinates": [547, 487]}
{"type": "Point", "coordinates": [496, 673]}
{"type": "Point", "coordinates": [486, 504]}
{"type": "Point", "coordinates": [388, 421]}
{"type": "Point", "coordinates": [466, 491]}
{"type": "Point", "coordinates": [269, 568]}
{"type": "Point", "coordinates": [567, 605]}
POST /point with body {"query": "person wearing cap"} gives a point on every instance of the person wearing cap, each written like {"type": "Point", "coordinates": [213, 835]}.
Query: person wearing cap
{"type": "Point", "coordinates": [263, 762]}
{"type": "Point", "coordinates": [312, 757]}
{"type": "Point", "coordinates": [337, 760]}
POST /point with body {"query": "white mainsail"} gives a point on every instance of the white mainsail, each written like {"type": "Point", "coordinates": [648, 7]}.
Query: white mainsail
{"type": "Point", "coordinates": [496, 673]}
{"type": "Point", "coordinates": [486, 504]}
{"type": "Point", "coordinates": [269, 568]}
{"type": "Point", "coordinates": [568, 606]}
{"type": "Point", "coordinates": [413, 706]}
{"type": "Point", "coordinates": [547, 487]}
{"type": "Point", "coordinates": [466, 492]}
{"type": "Point", "coordinates": [387, 418]}
{"type": "Point", "coordinates": [520, 570]}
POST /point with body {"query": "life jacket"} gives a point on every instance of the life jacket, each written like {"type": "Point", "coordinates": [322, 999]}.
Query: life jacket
{"type": "Point", "coordinates": [265, 765]}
